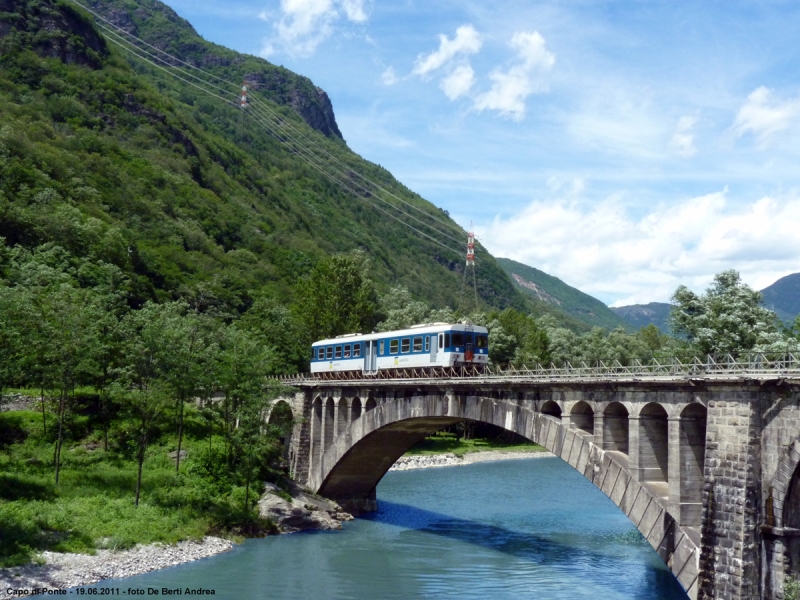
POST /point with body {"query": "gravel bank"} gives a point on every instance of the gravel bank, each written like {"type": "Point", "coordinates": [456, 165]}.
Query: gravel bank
{"type": "Point", "coordinates": [63, 570]}
{"type": "Point", "coordinates": [407, 463]}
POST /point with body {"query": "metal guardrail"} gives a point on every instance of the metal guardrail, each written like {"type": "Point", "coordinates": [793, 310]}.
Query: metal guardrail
{"type": "Point", "coordinates": [751, 365]}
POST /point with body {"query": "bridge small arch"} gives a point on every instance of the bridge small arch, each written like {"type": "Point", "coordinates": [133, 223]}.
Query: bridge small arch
{"type": "Point", "coordinates": [692, 456]}
{"type": "Point", "coordinates": [582, 417]}
{"type": "Point", "coordinates": [551, 408]}
{"type": "Point", "coordinates": [330, 411]}
{"type": "Point", "coordinates": [370, 404]}
{"type": "Point", "coordinates": [616, 429]}
{"type": "Point", "coordinates": [342, 414]}
{"type": "Point", "coordinates": [355, 409]}
{"type": "Point", "coordinates": [653, 443]}
{"type": "Point", "coordinates": [316, 428]}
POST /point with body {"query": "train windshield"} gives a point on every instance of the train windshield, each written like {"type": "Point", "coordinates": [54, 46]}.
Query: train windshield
{"type": "Point", "coordinates": [458, 339]}
{"type": "Point", "coordinates": [481, 341]}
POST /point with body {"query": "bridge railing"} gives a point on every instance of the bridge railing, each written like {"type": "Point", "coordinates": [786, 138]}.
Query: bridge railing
{"type": "Point", "coordinates": [749, 365]}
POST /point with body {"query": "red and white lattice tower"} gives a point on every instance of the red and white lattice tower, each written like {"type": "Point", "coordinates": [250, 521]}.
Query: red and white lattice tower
{"type": "Point", "coordinates": [243, 101]}
{"type": "Point", "coordinates": [471, 249]}
{"type": "Point", "coordinates": [469, 266]}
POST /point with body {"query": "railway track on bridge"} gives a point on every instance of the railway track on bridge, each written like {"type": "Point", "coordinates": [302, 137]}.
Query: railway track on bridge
{"type": "Point", "coordinates": [758, 367]}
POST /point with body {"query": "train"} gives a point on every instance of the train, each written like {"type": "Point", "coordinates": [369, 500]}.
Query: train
{"type": "Point", "coordinates": [427, 347]}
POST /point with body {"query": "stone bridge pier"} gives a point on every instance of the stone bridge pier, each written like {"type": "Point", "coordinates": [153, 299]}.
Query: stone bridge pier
{"type": "Point", "coordinates": [706, 469]}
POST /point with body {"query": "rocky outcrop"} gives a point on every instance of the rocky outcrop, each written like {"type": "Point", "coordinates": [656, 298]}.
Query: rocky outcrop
{"type": "Point", "coordinates": [54, 31]}
{"type": "Point", "coordinates": [298, 510]}
{"type": "Point", "coordinates": [159, 25]}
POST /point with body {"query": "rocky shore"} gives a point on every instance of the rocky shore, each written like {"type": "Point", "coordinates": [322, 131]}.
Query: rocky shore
{"type": "Point", "coordinates": [407, 463]}
{"type": "Point", "coordinates": [63, 570]}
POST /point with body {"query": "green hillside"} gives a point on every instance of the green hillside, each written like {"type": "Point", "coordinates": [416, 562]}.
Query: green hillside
{"type": "Point", "coordinates": [783, 297]}
{"type": "Point", "coordinates": [553, 296]}
{"type": "Point", "coordinates": [114, 159]}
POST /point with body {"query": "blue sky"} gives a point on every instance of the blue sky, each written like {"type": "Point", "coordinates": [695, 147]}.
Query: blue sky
{"type": "Point", "coordinates": [625, 147]}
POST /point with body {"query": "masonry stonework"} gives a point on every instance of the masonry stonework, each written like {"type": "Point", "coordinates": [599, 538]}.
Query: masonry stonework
{"type": "Point", "coordinates": [706, 469]}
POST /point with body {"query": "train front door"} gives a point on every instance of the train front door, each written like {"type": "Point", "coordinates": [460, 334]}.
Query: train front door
{"type": "Point", "coordinates": [434, 348]}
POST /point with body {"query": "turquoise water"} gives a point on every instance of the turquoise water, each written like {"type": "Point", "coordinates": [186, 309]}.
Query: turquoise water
{"type": "Point", "coordinates": [531, 528]}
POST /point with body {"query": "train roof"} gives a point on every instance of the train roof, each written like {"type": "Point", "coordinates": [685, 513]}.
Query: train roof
{"type": "Point", "coordinates": [422, 328]}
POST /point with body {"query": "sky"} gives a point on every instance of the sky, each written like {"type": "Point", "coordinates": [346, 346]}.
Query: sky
{"type": "Point", "coordinates": [624, 147]}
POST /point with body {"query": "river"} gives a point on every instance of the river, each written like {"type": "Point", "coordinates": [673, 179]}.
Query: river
{"type": "Point", "coordinates": [531, 528]}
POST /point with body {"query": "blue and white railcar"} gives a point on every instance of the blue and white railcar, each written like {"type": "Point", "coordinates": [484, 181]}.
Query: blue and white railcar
{"type": "Point", "coordinates": [421, 346]}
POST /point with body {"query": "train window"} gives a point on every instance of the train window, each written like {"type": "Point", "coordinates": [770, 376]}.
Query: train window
{"type": "Point", "coordinates": [383, 348]}
{"type": "Point", "coordinates": [417, 344]}
{"type": "Point", "coordinates": [321, 353]}
{"type": "Point", "coordinates": [481, 341]}
{"type": "Point", "coordinates": [458, 339]}
{"type": "Point", "coordinates": [338, 352]}
{"type": "Point", "coordinates": [446, 340]}
{"type": "Point", "coordinates": [356, 350]}
{"type": "Point", "coordinates": [329, 352]}
{"type": "Point", "coordinates": [427, 343]}
{"type": "Point", "coordinates": [347, 351]}
{"type": "Point", "coordinates": [393, 346]}
{"type": "Point", "coordinates": [405, 345]}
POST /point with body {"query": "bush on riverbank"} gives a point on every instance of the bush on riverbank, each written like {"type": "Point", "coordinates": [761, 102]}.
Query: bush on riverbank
{"type": "Point", "coordinates": [445, 441]}
{"type": "Point", "coordinates": [93, 504]}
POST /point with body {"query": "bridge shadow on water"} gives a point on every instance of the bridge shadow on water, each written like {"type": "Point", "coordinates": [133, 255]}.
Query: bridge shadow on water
{"type": "Point", "coordinates": [541, 550]}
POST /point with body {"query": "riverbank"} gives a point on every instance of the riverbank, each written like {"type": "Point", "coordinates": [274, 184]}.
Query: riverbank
{"type": "Point", "coordinates": [65, 570]}
{"type": "Point", "coordinates": [432, 461]}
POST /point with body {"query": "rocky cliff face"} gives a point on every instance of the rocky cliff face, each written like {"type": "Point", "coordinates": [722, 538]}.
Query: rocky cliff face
{"type": "Point", "coordinates": [159, 25]}
{"type": "Point", "coordinates": [52, 32]}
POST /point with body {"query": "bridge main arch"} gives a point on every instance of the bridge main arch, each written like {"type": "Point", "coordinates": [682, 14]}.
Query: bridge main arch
{"type": "Point", "coordinates": [351, 467]}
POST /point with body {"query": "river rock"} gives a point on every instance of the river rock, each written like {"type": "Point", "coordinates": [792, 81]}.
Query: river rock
{"type": "Point", "coordinates": [305, 511]}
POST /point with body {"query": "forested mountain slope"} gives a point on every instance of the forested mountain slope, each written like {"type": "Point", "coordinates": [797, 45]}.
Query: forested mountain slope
{"type": "Point", "coordinates": [553, 296]}
{"type": "Point", "coordinates": [783, 297]}
{"type": "Point", "coordinates": [115, 160]}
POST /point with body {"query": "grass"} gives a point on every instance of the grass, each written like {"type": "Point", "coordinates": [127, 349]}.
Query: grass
{"type": "Point", "coordinates": [92, 507]}
{"type": "Point", "coordinates": [443, 442]}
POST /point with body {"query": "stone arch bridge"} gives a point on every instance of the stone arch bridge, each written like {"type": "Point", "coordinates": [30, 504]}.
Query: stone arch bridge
{"type": "Point", "coordinates": [704, 463]}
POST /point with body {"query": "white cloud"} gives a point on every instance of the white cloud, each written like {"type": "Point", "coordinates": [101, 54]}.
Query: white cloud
{"type": "Point", "coordinates": [389, 77]}
{"type": "Point", "coordinates": [458, 82]}
{"type": "Point", "coordinates": [510, 88]}
{"type": "Point", "coordinates": [605, 251]}
{"type": "Point", "coordinates": [682, 142]}
{"type": "Point", "coordinates": [763, 116]}
{"type": "Point", "coordinates": [305, 24]}
{"type": "Point", "coordinates": [466, 41]}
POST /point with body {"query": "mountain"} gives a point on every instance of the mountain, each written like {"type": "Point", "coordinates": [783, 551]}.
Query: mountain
{"type": "Point", "coordinates": [641, 315]}
{"type": "Point", "coordinates": [109, 157]}
{"type": "Point", "coordinates": [783, 297]}
{"type": "Point", "coordinates": [559, 297]}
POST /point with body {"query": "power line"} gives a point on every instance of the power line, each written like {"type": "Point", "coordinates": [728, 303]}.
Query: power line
{"type": "Point", "coordinates": [327, 170]}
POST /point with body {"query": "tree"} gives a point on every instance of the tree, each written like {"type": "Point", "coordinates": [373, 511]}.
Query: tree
{"type": "Point", "coordinates": [336, 298]}
{"type": "Point", "coordinates": [401, 311]}
{"type": "Point", "coordinates": [144, 405]}
{"type": "Point", "coordinates": [727, 319]}
{"type": "Point", "coordinates": [11, 336]}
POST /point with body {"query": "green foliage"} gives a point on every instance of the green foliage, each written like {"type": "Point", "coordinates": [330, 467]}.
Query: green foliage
{"type": "Point", "coordinates": [791, 589]}
{"type": "Point", "coordinates": [446, 441]}
{"type": "Point", "coordinates": [337, 297]}
{"type": "Point", "coordinates": [727, 319]}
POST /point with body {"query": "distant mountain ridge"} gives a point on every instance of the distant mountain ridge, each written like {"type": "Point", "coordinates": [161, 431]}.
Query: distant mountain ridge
{"type": "Point", "coordinates": [551, 291]}
{"type": "Point", "coordinates": [783, 297]}
{"type": "Point", "coordinates": [642, 315]}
